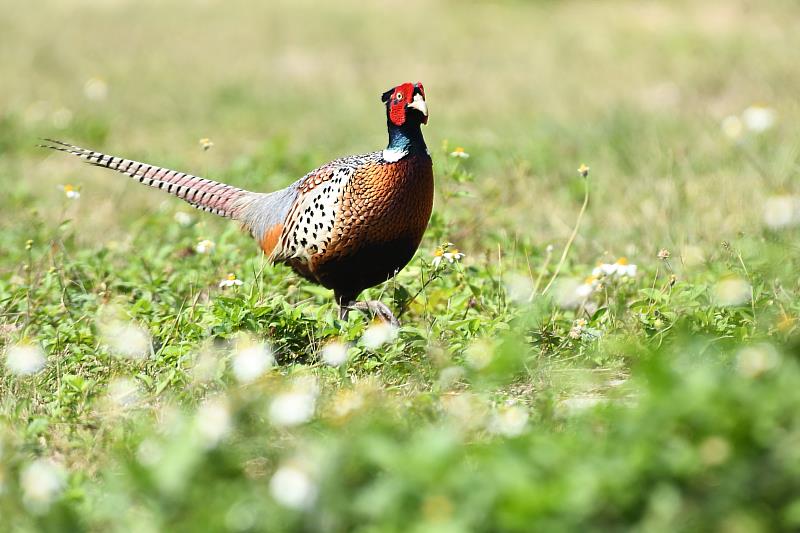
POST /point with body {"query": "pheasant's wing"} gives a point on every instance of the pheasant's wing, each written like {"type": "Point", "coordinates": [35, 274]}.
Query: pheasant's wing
{"type": "Point", "coordinates": [205, 194]}
{"type": "Point", "coordinates": [309, 225]}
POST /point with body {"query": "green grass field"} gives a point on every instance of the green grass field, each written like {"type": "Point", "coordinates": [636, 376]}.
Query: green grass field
{"type": "Point", "coordinates": [521, 393]}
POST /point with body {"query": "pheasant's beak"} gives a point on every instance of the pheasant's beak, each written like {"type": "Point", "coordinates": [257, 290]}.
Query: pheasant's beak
{"type": "Point", "coordinates": [418, 103]}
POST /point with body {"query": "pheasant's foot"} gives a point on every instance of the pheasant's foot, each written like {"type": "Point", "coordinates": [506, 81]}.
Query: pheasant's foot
{"type": "Point", "coordinates": [378, 309]}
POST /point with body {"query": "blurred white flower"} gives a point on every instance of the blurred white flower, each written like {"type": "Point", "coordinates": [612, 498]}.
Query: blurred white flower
{"type": "Point", "coordinates": [292, 487]}
{"type": "Point", "coordinates": [509, 421]}
{"type": "Point", "coordinates": [585, 289]}
{"type": "Point", "coordinates": [346, 402]}
{"type": "Point", "coordinates": [732, 127]}
{"type": "Point", "coordinates": [123, 392]}
{"type": "Point", "coordinates": [758, 118]}
{"type": "Point", "coordinates": [61, 118]}
{"type": "Point", "coordinates": [579, 403]}
{"type": "Point", "coordinates": [752, 361]}
{"type": "Point", "coordinates": [42, 482]}
{"type": "Point", "coordinates": [377, 334]}
{"type": "Point", "coordinates": [466, 408]}
{"type": "Point", "coordinates": [185, 219]}
{"type": "Point", "coordinates": [205, 247]}
{"type": "Point", "coordinates": [149, 452]}
{"type": "Point", "coordinates": [459, 153]}
{"type": "Point", "coordinates": [619, 268]}
{"type": "Point", "coordinates": [213, 421]}
{"type": "Point", "coordinates": [206, 143]}
{"type": "Point", "coordinates": [294, 407]}
{"type": "Point", "coordinates": [478, 355]}
{"type": "Point", "coordinates": [25, 359]}
{"type": "Point", "coordinates": [334, 353]}
{"type": "Point", "coordinates": [70, 191]}
{"type": "Point", "coordinates": [251, 361]}
{"type": "Point", "coordinates": [230, 281]}
{"type": "Point", "coordinates": [781, 211]}
{"type": "Point", "coordinates": [518, 287]}
{"type": "Point", "coordinates": [732, 291]}
{"type": "Point", "coordinates": [126, 339]}
{"type": "Point", "coordinates": [95, 89]}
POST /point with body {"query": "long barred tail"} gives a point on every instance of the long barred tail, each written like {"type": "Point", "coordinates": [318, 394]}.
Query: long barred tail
{"type": "Point", "coordinates": [201, 193]}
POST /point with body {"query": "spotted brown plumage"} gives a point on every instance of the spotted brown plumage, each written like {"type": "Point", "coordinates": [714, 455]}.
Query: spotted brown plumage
{"type": "Point", "coordinates": [348, 225]}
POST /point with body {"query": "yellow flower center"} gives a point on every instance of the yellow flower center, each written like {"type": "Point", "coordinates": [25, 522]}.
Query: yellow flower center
{"type": "Point", "coordinates": [459, 150]}
{"type": "Point", "coordinates": [454, 251]}
{"type": "Point", "coordinates": [590, 280]}
{"type": "Point", "coordinates": [438, 253]}
{"type": "Point", "coordinates": [231, 277]}
{"type": "Point", "coordinates": [68, 188]}
{"type": "Point", "coordinates": [622, 261]}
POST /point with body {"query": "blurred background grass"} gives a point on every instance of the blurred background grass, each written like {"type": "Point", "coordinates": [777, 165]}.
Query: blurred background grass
{"type": "Point", "coordinates": [530, 89]}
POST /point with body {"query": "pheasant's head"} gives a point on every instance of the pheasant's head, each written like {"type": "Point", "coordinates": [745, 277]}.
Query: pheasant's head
{"type": "Point", "coordinates": [406, 103]}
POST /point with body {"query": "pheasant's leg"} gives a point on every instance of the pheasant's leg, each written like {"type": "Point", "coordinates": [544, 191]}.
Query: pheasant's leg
{"type": "Point", "coordinates": [345, 302]}
{"type": "Point", "coordinates": [378, 309]}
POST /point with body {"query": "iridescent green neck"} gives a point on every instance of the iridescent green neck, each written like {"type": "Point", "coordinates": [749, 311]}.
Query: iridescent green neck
{"type": "Point", "coordinates": [404, 140]}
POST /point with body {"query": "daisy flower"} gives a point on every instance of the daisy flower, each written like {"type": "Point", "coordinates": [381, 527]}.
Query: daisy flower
{"type": "Point", "coordinates": [206, 143]}
{"type": "Point", "coordinates": [205, 247]}
{"type": "Point", "coordinates": [230, 281]}
{"type": "Point", "coordinates": [459, 153]}
{"type": "Point", "coordinates": [70, 191]}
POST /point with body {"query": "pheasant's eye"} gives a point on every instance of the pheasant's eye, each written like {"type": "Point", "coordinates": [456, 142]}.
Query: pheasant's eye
{"type": "Point", "coordinates": [399, 96]}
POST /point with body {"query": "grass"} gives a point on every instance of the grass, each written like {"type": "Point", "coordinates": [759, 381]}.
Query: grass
{"type": "Point", "coordinates": [664, 400]}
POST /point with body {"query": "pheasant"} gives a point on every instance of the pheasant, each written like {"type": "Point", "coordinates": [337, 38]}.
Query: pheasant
{"type": "Point", "coordinates": [349, 225]}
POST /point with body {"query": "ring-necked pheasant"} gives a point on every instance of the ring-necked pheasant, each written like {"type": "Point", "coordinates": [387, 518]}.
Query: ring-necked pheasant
{"type": "Point", "coordinates": [348, 225]}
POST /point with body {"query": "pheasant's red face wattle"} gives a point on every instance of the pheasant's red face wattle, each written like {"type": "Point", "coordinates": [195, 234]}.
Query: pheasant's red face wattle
{"type": "Point", "coordinates": [402, 97]}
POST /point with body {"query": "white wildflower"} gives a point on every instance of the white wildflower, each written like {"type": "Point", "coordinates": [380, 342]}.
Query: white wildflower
{"type": "Point", "coordinates": [752, 361]}
{"type": "Point", "coordinates": [732, 291]}
{"type": "Point", "coordinates": [230, 281]}
{"type": "Point", "coordinates": [518, 287]}
{"type": "Point", "coordinates": [123, 392]}
{"type": "Point", "coordinates": [758, 118]}
{"type": "Point", "coordinates": [251, 361]}
{"type": "Point", "coordinates": [732, 127]}
{"type": "Point", "coordinates": [446, 252]}
{"type": "Point", "coordinates": [205, 247]}
{"type": "Point", "coordinates": [149, 452]}
{"type": "Point", "coordinates": [459, 153]}
{"type": "Point", "coordinates": [781, 211]}
{"type": "Point", "coordinates": [95, 89]}
{"type": "Point", "coordinates": [213, 421]}
{"type": "Point", "coordinates": [70, 191]}
{"type": "Point", "coordinates": [205, 143]}
{"type": "Point", "coordinates": [185, 219]}
{"type": "Point", "coordinates": [25, 359]}
{"type": "Point", "coordinates": [377, 334]}
{"type": "Point", "coordinates": [620, 268]}
{"type": "Point", "coordinates": [585, 289]}
{"type": "Point", "coordinates": [509, 421]}
{"type": "Point", "coordinates": [579, 403]}
{"type": "Point", "coordinates": [42, 482]}
{"type": "Point", "coordinates": [578, 328]}
{"type": "Point", "coordinates": [334, 353]}
{"type": "Point", "coordinates": [292, 487]}
{"type": "Point", "coordinates": [295, 406]}
{"type": "Point", "coordinates": [126, 339]}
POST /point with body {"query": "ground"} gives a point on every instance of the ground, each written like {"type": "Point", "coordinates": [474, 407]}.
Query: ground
{"type": "Point", "coordinates": [612, 351]}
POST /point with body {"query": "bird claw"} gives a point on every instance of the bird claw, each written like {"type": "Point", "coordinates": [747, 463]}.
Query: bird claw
{"type": "Point", "coordinates": [377, 309]}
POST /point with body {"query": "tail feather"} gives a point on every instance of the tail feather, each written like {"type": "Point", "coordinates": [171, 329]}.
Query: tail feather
{"type": "Point", "coordinates": [204, 194]}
